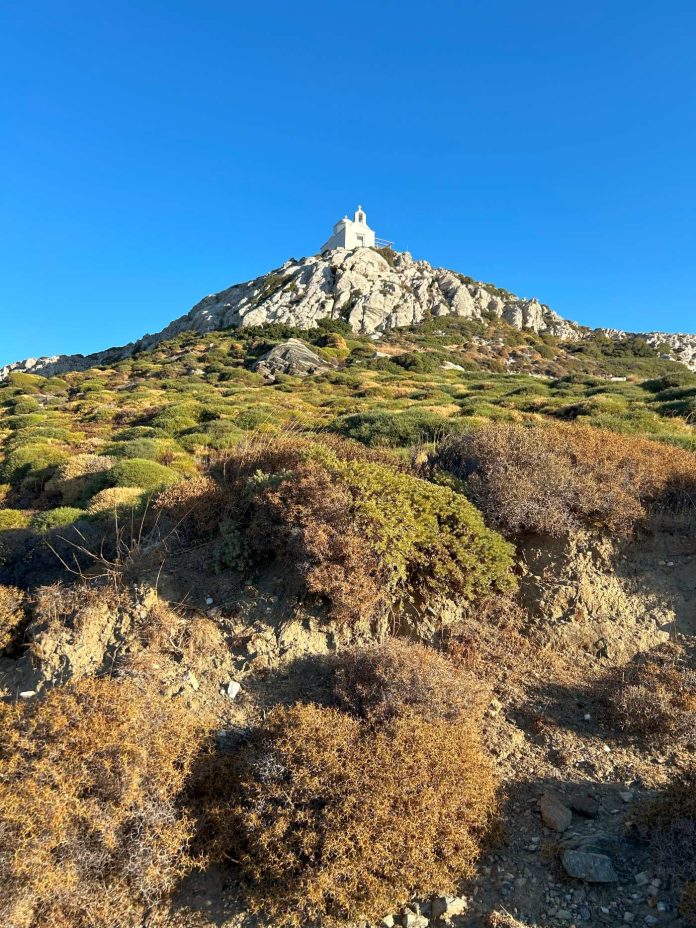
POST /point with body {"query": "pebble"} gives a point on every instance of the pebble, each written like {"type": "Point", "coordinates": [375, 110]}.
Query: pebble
{"type": "Point", "coordinates": [27, 694]}
{"type": "Point", "coordinates": [626, 795]}
{"type": "Point", "coordinates": [232, 689]}
{"type": "Point", "coordinates": [629, 917]}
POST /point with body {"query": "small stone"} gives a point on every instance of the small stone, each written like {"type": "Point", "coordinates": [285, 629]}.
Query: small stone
{"type": "Point", "coordinates": [629, 917]}
{"type": "Point", "coordinates": [232, 689]}
{"type": "Point", "coordinates": [209, 600]}
{"type": "Point", "coordinates": [447, 906]}
{"type": "Point", "coordinates": [661, 906]}
{"type": "Point", "coordinates": [642, 878]}
{"type": "Point", "coordinates": [27, 694]}
{"type": "Point", "coordinates": [554, 814]}
{"type": "Point", "coordinates": [626, 795]}
{"type": "Point", "coordinates": [650, 920]}
{"type": "Point", "coordinates": [388, 921]}
{"type": "Point", "coordinates": [412, 920]}
{"type": "Point", "coordinates": [588, 866]}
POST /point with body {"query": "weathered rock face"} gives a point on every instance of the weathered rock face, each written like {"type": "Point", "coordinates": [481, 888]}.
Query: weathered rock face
{"type": "Point", "coordinates": [362, 287]}
{"type": "Point", "coordinates": [678, 346]}
{"type": "Point", "coordinates": [367, 291]}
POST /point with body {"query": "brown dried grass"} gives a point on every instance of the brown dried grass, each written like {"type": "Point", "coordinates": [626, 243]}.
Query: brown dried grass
{"type": "Point", "coordinates": [340, 820]}
{"type": "Point", "coordinates": [555, 478]}
{"type": "Point", "coordinates": [382, 681]}
{"type": "Point", "coordinates": [90, 830]}
{"type": "Point", "coordinates": [11, 614]}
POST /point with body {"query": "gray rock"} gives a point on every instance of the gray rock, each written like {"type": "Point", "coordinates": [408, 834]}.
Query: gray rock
{"type": "Point", "coordinates": [553, 813]}
{"type": "Point", "coordinates": [588, 866]}
{"type": "Point", "coordinates": [584, 805]}
{"type": "Point", "coordinates": [292, 357]}
{"type": "Point", "coordinates": [448, 906]}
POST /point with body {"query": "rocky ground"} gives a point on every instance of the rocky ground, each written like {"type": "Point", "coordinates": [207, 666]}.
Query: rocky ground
{"type": "Point", "coordinates": [566, 854]}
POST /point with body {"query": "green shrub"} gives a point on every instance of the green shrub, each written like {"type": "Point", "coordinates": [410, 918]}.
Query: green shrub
{"type": "Point", "coordinates": [13, 518]}
{"type": "Point", "coordinates": [147, 475]}
{"type": "Point", "coordinates": [60, 517]}
{"type": "Point", "coordinates": [359, 533]}
{"type": "Point", "coordinates": [32, 464]}
{"type": "Point", "coordinates": [385, 429]}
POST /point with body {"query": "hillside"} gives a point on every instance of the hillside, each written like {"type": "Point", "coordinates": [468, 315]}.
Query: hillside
{"type": "Point", "coordinates": [363, 594]}
{"type": "Point", "coordinates": [374, 291]}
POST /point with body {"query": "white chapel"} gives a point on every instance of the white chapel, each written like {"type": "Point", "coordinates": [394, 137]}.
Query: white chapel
{"type": "Point", "coordinates": [351, 233]}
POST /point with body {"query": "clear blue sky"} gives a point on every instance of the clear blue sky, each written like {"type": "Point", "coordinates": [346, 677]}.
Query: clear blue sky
{"type": "Point", "coordinates": [154, 152]}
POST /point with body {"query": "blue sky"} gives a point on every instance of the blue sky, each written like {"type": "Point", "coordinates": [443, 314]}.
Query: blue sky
{"type": "Point", "coordinates": [154, 152]}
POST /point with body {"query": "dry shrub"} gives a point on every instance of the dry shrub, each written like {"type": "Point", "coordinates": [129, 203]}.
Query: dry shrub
{"type": "Point", "coordinates": [90, 830]}
{"type": "Point", "coordinates": [77, 476]}
{"type": "Point", "coordinates": [668, 823]}
{"type": "Point", "coordinates": [192, 505]}
{"type": "Point", "coordinates": [72, 627]}
{"type": "Point", "coordinates": [308, 521]}
{"type": "Point", "coordinates": [654, 698]}
{"type": "Point", "coordinates": [492, 637]}
{"type": "Point", "coordinates": [11, 614]}
{"type": "Point", "coordinates": [163, 634]}
{"type": "Point", "coordinates": [382, 681]}
{"type": "Point", "coordinates": [553, 479]}
{"type": "Point", "coordinates": [341, 820]}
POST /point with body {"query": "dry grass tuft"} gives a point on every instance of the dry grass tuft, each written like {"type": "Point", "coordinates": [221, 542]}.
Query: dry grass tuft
{"type": "Point", "coordinates": [11, 614]}
{"type": "Point", "coordinates": [654, 698]}
{"type": "Point", "coordinates": [553, 479]}
{"type": "Point", "coordinates": [668, 822]}
{"type": "Point", "coordinates": [90, 831]}
{"type": "Point", "coordinates": [380, 682]}
{"type": "Point", "coordinates": [340, 820]}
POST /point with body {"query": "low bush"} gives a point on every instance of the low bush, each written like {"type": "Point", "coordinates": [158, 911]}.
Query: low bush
{"type": "Point", "coordinates": [32, 464]}
{"type": "Point", "coordinates": [359, 533]}
{"type": "Point", "coordinates": [654, 698]}
{"type": "Point", "coordinates": [668, 823]}
{"type": "Point", "coordinates": [192, 505]}
{"type": "Point", "coordinates": [338, 820]}
{"type": "Point", "coordinates": [386, 680]}
{"type": "Point", "coordinates": [553, 478]}
{"type": "Point", "coordinates": [90, 830]}
{"type": "Point", "coordinates": [60, 517]}
{"type": "Point", "coordinates": [14, 518]}
{"type": "Point", "coordinates": [11, 614]}
{"type": "Point", "coordinates": [391, 430]}
{"type": "Point", "coordinates": [79, 477]}
{"type": "Point", "coordinates": [115, 499]}
{"type": "Point", "coordinates": [137, 472]}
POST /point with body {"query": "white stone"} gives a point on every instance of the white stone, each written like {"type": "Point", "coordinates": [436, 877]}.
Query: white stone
{"type": "Point", "coordinates": [232, 689]}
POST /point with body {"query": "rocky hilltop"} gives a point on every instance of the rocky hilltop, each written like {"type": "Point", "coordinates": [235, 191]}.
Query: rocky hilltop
{"type": "Point", "coordinates": [373, 290]}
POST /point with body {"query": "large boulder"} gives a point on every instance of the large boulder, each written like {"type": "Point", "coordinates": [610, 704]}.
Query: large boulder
{"type": "Point", "coordinates": [292, 357]}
